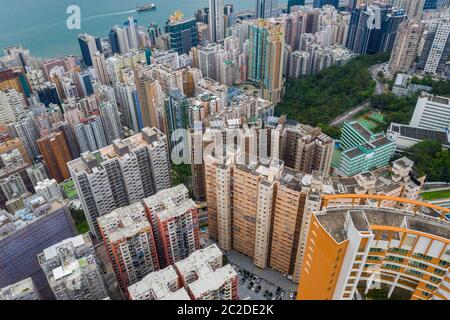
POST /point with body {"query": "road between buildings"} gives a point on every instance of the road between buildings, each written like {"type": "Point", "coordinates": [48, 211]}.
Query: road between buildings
{"type": "Point", "coordinates": [379, 89]}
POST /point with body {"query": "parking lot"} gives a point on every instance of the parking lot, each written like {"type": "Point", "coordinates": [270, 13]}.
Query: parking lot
{"type": "Point", "coordinates": [253, 287]}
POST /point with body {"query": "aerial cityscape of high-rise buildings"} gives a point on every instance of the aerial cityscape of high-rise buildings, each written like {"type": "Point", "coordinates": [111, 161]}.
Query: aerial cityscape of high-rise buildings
{"type": "Point", "coordinates": [156, 164]}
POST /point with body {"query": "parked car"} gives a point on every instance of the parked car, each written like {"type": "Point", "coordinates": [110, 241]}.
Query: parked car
{"type": "Point", "coordinates": [254, 278]}
{"type": "Point", "coordinates": [266, 293]}
{"type": "Point", "coordinates": [269, 297]}
{"type": "Point", "coordinates": [258, 289]}
{"type": "Point", "coordinates": [291, 295]}
{"type": "Point", "coordinates": [250, 286]}
{"type": "Point", "coordinates": [277, 292]}
{"type": "Point", "coordinates": [242, 281]}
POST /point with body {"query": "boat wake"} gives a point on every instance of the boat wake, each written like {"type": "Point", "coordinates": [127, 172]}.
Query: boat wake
{"type": "Point", "coordinates": [107, 15]}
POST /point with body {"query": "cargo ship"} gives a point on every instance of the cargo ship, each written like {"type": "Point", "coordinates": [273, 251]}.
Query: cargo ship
{"type": "Point", "coordinates": [145, 7]}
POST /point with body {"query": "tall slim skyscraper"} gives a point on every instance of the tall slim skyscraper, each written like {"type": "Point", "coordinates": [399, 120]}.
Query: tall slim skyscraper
{"type": "Point", "coordinates": [265, 57]}
{"type": "Point", "coordinates": [131, 31]}
{"type": "Point", "coordinates": [72, 143]}
{"type": "Point", "coordinates": [114, 40]}
{"type": "Point", "coordinates": [88, 46]}
{"type": "Point", "coordinates": [216, 21]}
{"type": "Point", "coordinates": [151, 99]}
{"type": "Point", "coordinates": [266, 9]}
{"type": "Point", "coordinates": [99, 63]}
{"type": "Point", "coordinates": [111, 121]}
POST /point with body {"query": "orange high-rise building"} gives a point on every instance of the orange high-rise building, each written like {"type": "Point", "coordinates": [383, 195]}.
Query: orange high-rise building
{"type": "Point", "coordinates": [355, 248]}
{"type": "Point", "coordinates": [56, 154]}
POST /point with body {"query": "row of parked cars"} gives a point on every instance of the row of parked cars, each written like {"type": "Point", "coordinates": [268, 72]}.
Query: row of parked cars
{"type": "Point", "coordinates": [254, 285]}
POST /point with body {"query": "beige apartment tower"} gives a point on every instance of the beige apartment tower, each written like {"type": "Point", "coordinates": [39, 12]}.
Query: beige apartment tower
{"type": "Point", "coordinates": [405, 48]}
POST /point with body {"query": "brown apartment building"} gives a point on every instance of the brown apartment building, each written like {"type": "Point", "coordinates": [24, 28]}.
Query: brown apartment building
{"type": "Point", "coordinates": [56, 154]}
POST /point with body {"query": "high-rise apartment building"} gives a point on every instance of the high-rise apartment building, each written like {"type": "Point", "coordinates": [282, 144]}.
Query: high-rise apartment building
{"type": "Point", "coordinates": [406, 45]}
{"type": "Point", "coordinates": [436, 48]}
{"type": "Point", "coordinates": [132, 33]}
{"type": "Point", "coordinates": [128, 236]}
{"type": "Point", "coordinates": [151, 99]}
{"type": "Point", "coordinates": [216, 21]}
{"type": "Point", "coordinates": [13, 186]}
{"type": "Point", "coordinates": [122, 173]}
{"type": "Point", "coordinates": [56, 154]}
{"type": "Point", "coordinates": [99, 63]}
{"type": "Point", "coordinates": [91, 134]}
{"type": "Point", "coordinates": [12, 106]}
{"type": "Point", "coordinates": [26, 131]}
{"type": "Point", "coordinates": [72, 270]}
{"type": "Point", "coordinates": [70, 136]}
{"type": "Point", "coordinates": [176, 111]}
{"type": "Point", "coordinates": [109, 114]}
{"type": "Point", "coordinates": [352, 250]}
{"type": "Point", "coordinates": [207, 61]}
{"type": "Point", "coordinates": [174, 219]}
{"type": "Point", "coordinates": [306, 149]}
{"type": "Point", "coordinates": [265, 57]}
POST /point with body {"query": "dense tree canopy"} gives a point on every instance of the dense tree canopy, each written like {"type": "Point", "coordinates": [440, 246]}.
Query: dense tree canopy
{"type": "Point", "coordinates": [441, 88]}
{"type": "Point", "coordinates": [430, 159]}
{"type": "Point", "coordinates": [320, 98]}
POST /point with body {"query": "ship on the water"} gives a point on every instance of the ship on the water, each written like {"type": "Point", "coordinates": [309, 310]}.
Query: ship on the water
{"type": "Point", "coordinates": [145, 7]}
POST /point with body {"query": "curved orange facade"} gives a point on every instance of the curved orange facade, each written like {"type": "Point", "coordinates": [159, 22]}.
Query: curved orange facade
{"type": "Point", "coordinates": [380, 198]}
